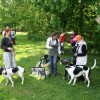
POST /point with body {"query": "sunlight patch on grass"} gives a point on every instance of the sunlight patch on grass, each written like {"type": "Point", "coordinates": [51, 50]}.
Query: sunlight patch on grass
{"type": "Point", "coordinates": [21, 33]}
{"type": "Point", "coordinates": [25, 51]}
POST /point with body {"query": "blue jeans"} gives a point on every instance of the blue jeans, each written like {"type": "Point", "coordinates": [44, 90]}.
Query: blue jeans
{"type": "Point", "coordinates": [53, 65]}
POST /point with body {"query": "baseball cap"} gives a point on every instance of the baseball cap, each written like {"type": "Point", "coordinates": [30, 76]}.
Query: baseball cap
{"type": "Point", "coordinates": [78, 37]}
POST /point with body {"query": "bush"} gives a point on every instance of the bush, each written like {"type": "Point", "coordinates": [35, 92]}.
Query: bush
{"type": "Point", "coordinates": [90, 46]}
{"type": "Point", "coordinates": [93, 47]}
{"type": "Point", "coordinates": [36, 36]}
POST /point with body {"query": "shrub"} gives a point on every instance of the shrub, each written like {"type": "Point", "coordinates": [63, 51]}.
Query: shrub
{"type": "Point", "coordinates": [36, 36]}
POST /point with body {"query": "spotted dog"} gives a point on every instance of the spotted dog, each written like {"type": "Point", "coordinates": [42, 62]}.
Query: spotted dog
{"type": "Point", "coordinates": [76, 71]}
{"type": "Point", "coordinates": [8, 73]}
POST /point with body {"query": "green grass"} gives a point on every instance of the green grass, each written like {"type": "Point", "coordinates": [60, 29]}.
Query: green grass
{"type": "Point", "coordinates": [53, 88]}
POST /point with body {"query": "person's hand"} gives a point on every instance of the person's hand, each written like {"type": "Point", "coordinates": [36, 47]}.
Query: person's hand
{"type": "Point", "coordinates": [75, 54]}
{"type": "Point", "coordinates": [9, 48]}
{"type": "Point", "coordinates": [53, 45]}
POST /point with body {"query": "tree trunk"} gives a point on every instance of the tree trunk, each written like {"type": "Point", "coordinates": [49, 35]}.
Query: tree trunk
{"type": "Point", "coordinates": [81, 23]}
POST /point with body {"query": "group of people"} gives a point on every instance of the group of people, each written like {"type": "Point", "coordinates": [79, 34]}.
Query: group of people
{"type": "Point", "coordinates": [79, 50]}
{"type": "Point", "coordinates": [55, 46]}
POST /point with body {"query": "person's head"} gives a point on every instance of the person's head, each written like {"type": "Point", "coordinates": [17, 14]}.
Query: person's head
{"type": "Point", "coordinates": [11, 29]}
{"type": "Point", "coordinates": [7, 32]}
{"type": "Point", "coordinates": [54, 35]}
{"type": "Point", "coordinates": [63, 33]}
{"type": "Point", "coordinates": [7, 27]}
{"type": "Point", "coordinates": [78, 38]}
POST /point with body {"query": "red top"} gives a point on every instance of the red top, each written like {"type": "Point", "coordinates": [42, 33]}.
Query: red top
{"type": "Point", "coordinates": [62, 37]}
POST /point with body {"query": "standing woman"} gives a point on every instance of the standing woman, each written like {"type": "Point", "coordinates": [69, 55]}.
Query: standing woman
{"type": "Point", "coordinates": [62, 39]}
{"type": "Point", "coordinates": [53, 46]}
{"type": "Point", "coordinates": [6, 45]}
{"type": "Point", "coordinates": [81, 50]}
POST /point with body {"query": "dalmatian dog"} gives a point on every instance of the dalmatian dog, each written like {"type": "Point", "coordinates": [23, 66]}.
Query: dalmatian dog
{"type": "Point", "coordinates": [9, 73]}
{"type": "Point", "coordinates": [76, 71]}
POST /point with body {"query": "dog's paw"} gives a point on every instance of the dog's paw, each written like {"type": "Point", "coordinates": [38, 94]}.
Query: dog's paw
{"type": "Point", "coordinates": [22, 83]}
{"type": "Point", "coordinates": [87, 85]}
{"type": "Point", "coordinates": [12, 86]}
{"type": "Point", "coordinates": [68, 83]}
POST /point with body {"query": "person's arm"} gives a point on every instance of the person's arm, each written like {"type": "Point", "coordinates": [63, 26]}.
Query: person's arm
{"type": "Point", "coordinates": [3, 45]}
{"type": "Point", "coordinates": [47, 44]}
{"type": "Point", "coordinates": [84, 51]}
{"type": "Point", "coordinates": [59, 51]}
{"type": "Point", "coordinates": [3, 42]}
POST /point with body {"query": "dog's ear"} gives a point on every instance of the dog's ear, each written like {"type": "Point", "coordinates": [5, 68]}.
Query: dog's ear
{"type": "Point", "coordinates": [40, 60]}
{"type": "Point", "coordinates": [3, 67]}
{"type": "Point", "coordinates": [46, 56]}
{"type": "Point", "coordinates": [0, 71]}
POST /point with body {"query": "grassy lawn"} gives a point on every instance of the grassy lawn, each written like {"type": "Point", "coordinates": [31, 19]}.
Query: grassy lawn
{"type": "Point", "coordinates": [53, 88]}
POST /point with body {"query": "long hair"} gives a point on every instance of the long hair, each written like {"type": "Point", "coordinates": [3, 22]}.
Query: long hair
{"type": "Point", "coordinates": [6, 31]}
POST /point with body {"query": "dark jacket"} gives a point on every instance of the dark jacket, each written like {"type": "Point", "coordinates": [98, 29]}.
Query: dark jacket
{"type": "Point", "coordinates": [5, 43]}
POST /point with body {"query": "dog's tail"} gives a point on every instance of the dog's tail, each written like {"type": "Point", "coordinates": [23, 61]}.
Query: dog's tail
{"type": "Point", "coordinates": [93, 65]}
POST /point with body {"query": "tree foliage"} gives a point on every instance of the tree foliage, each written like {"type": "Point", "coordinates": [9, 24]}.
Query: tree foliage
{"type": "Point", "coordinates": [41, 17]}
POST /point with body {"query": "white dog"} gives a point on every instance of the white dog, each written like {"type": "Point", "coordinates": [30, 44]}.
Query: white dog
{"type": "Point", "coordinates": [8, 73]}
{"type": "Point", "coordinates": [77, 71]}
